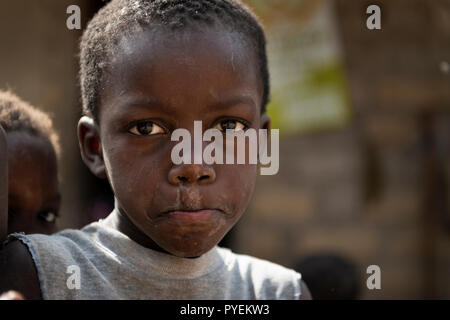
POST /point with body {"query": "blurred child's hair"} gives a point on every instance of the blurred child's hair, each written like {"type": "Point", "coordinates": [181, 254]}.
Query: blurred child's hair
{"type": "Point", "coordinates": [330, 276]}
{"type": "Point", "coordinates": [128, 17]}
{"type": "Point", "coordinates": [17, 115]}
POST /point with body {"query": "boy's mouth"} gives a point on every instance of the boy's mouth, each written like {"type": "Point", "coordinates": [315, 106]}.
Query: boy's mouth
{"type": "Point", "coordinates": [192, 206]}
{"type": "Point", "coordinates": [192, 216]}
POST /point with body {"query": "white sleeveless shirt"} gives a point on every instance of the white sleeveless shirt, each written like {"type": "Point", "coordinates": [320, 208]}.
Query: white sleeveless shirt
{"type": "Point", "coordinates": [99, 262]}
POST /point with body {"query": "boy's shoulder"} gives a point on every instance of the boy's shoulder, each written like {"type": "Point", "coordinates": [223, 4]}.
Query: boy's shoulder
{"type": "Point", "coordinates": [248, 263]}
{"type": "Point", "coordinates": [58, 247]}
{"type": "Point", "coordinates": [66, 245]}
{"type": "Point", "coordinates": [49, 260]}
{"type": "Point", "coordinates": [62, 243]}
{"type": "Point", "coordinates": [267, 278]}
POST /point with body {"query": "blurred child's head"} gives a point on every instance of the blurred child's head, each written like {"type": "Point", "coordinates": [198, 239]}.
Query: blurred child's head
{"type": "Point", "coordinates": [330, 276]}
{"type": "Point", "coordinates": [150, 67]}
{"type": "Point", "coordinates": [33, 189]}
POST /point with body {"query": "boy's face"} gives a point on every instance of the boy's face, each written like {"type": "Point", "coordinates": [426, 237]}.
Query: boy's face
{"type": "Point", "coordinates": [160, 82]}
{"type": "Point", "coordinates": [33, 190]}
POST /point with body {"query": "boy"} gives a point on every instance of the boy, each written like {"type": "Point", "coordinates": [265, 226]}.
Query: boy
{"type": "Point", "coordinates": [148, 68]}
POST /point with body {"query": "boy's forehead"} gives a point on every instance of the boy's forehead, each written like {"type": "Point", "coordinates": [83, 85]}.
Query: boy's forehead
{"type": "Point", "coordinates": [185, 65]}
{"type": "Point", "coordinates": [182, 42]}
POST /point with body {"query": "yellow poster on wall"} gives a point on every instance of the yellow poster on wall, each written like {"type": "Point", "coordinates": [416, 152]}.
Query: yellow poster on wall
{"type": "Point", "coordinates": [308, 85]}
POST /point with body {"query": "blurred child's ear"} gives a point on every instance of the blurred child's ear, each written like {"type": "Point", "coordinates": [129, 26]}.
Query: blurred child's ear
{"type": "Point", "coordinates": [90, 146]}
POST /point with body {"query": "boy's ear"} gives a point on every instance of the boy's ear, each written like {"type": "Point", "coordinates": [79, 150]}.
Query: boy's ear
{"type": "Point", "coordinates": [90, 146]}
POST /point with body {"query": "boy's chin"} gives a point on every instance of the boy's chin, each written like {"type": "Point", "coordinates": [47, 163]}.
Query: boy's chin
{"type": "Point", "coordinates": [187, 239]}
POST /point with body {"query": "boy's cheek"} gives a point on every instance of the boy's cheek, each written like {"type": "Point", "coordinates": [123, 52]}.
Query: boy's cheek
{"type": "Point", "coordinates": [242, 176]}
{"type": "Point", "coordinates": [134, 188]}
{"type": "Point", "coordinates": [238, 183]}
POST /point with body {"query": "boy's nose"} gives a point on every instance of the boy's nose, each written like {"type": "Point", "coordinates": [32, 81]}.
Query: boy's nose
{"type": "Point", "coordinates": [192, 173]}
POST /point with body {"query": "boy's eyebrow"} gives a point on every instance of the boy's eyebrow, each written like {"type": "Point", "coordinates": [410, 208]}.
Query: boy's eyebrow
{"type": "Point", "coordinates": [151, 102]}
{"type": "Point", "coordinates": [131, 101]}
{"type": "Point", "coordinates": [235, 100]}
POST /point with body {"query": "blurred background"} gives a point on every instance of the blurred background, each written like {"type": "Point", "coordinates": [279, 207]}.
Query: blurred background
{"type": "Point", "coordinates": [364, 117]}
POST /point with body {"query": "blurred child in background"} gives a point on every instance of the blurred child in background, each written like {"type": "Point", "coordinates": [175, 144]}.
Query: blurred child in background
{"type": "Point", "coordinates": [330, 276]}
{"type": "Point", "coordinates": [33, 191]}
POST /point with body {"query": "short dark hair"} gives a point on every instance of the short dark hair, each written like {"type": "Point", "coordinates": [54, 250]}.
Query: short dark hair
{"type": "Point", "coordinates": [121, 17]}
{"type": "Point", "coordinates": [17, 115]}
{"type": "Point", "coordinates": [330, 276]}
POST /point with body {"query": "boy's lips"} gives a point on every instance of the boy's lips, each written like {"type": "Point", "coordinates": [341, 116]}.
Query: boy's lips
{"type": "Point", "coordinates": [192, 209]}
{"type": "Point", "coordinates": [189, 207]}
{"type": "Point", "coordinates": [192, 215]}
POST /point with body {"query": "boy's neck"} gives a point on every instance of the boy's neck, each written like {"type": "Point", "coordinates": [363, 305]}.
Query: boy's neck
{"type": "Point", "coordinates": [123, 224]}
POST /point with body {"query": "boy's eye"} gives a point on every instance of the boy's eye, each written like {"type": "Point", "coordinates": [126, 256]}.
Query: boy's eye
{"type": "Point", "coordinates": [48, 216]}
{"type": "Point", "coordinates": [146, 128]}
{"type": "Point", "coordinates": [234, 125]}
